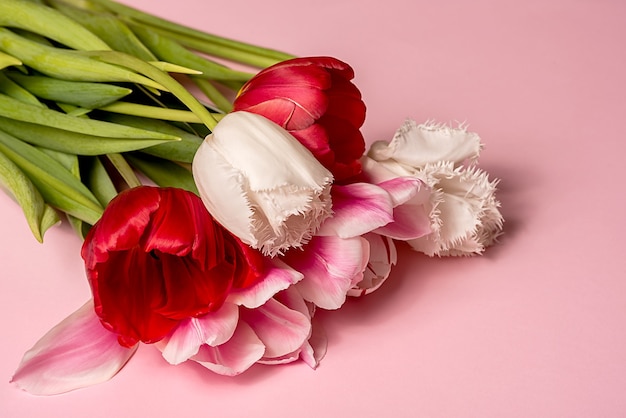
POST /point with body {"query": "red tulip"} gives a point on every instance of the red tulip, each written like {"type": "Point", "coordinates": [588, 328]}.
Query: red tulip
{"type": "Point", "coordinates": [314, 99]}
{"type": "Point", "coordinates": [156, 257]}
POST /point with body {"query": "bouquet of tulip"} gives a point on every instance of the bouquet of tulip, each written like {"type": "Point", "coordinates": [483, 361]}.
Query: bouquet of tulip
{"type": "Point", "coordinates": [219, 208]}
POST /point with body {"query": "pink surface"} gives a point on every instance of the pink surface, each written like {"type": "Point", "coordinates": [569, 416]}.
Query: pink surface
{"type": "Point", "coordinates": [536, 327]}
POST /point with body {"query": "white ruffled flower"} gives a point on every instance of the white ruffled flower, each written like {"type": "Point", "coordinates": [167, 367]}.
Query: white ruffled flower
{"type": "Point", "coordinates": [464, 213]}
{"type": "Point", "coordinates": [261, 184]}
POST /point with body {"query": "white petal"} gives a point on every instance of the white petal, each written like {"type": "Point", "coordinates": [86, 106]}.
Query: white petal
{"type": "Point", "coordinates": [465, 216]}
{"type": "Point", "coordinates": [76, 353]}
{"type": "Point", "coordinates": [416, 145]}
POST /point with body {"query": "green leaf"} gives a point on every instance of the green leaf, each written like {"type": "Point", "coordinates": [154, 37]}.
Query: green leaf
{"type": "Point", "coordinates": [49, 23]}
{"type": "Point", "coordinates": [66, 64]}
{"type": "Point", "coordinates": [14, 90]}
{"type": "Point", "coordinates": [7, 60]}
{"type": "Point", "coordinates": [98, 181]}
{"type": "Point", "coordinates": [163, 172]}
{"type": "Point", "coordinates": [106, 26]}
{"type": "Point", "coordinates": [164, 79]}
{"type": "Point", "coordinates": [182, 151]}
{"type": "Point", "coordinates": [14, 109]}
{"type": "Point", "coordinates": [39, 215]}
{"type": "Point", "coordinates": [126, 171]}
{"type": "Point", "coordinates": [78, 93]}
{"type": "Point", "coordinates": [169, 50]}
{"type": "Point", "coordinates": [154, 112]}
{"type": "Point", "coordinates": [58, 186]}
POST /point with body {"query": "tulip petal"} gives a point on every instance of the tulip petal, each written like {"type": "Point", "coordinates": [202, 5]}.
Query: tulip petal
{"type": "Point", "coordinates": [76, 353]}
{"type": "Point", "coordinates": [282, 330]}
{"type": "Point", "coordinates": [417, 145]}
{"type": "Point", "coordinates": [279, 276]}
{"type": "Point", "coordinates": [314, 350]}
{"type": "Point", "coordinates": [235, 356]}
{"type": "Point", "coordinates": [331, 266]}
{"type": "Point", "coordinates": [213, 329]}
{"type": "Point", "coordinates": [358, 208]}
{"type": "Point", "coordinates": [383, 256]}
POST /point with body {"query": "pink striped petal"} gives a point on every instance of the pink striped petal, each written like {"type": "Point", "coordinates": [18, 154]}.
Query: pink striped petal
{"type": "Point", "coordinates": [331, 266]}
{"type": "Point", "coordinates": [213, 329]}
{"type": "Point", "coordinates": [315, 348]}
{"type": "Point", "coordinates": [358, 208]}
{"type": "Point", "coordinates": [281, 329]}
{"type": "Point", "coordinates": [279, 277]}
{"type": "Point", "coordinates": [76, 353]}
{"type": "Point", "coordinates": [409, 222]}
{"type": "Point", "coordinates": [402, 189]}
{"type": "Point", "coordinates": [235, 356]}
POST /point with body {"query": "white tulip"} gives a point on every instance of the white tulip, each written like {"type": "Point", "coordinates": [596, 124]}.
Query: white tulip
{"type": "Point", "coordinates": [261, 184]}
{"type": "Point", "coordinates": [464, 212]}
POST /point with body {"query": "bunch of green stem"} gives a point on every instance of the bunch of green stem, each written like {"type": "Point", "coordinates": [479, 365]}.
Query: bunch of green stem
{"type": "Point", "coordinates": [96, 96]}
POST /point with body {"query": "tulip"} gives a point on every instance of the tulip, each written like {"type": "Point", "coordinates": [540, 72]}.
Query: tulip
{"type": "Point", "coordinates": [462, 206]}
{"type": "Point", "coordinates": [314, 99]}
{"type": "Point", "coordinates": [156, 257]}
{"type": "Point", "coordinates": [261, 184]}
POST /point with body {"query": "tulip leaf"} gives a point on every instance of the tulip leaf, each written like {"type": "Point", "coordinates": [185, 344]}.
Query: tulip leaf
{"type": "Point", "coordinates": [66, 64]}
{"type": "Point", "coordinates": [48, 22]}
{"type": "Point", "coordinates": [39, 216]}
{"type": "Point", "coordinates": [230, 49]}
{"type": "Point", "coordinates": [78, 93]}
{"type": "Point", "coordinates": [126, 171]}
{"type": "Point", "coordinates": [58, 186]}
{"type": "Point", "coordinates": [163, 78]}
{"type": "Point", "coordinates": [98, 181]}
{"type": "Point", "coordinates": [14, 109]}
{"type": "Point", "coordinates": [106, 26]}
{"type": "Point", "coordinates": [14, 90]}
{"type": "Point", "coordinates": [163, 172]}
{"type": "Point", "coordinates": [169, 50]}
{"type": "Point", "coordinates": [7, 60]}
{"type": "Point", "coordinates": [153, 112]}
{"type": "Point", "coordinates": [70, 162]}
{"type": "Point", "coordinates": [72, 142]}
{"type": "Point", "coordinates": [182, 151]}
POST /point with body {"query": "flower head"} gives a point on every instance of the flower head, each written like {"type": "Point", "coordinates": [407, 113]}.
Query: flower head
{"type": "Point", "coordinates": [156, 257]}
{"type": "Point", "coordinates": [314, 99]}
{"type": "Point", "coordinates": [261, 184]}
{"type": "Point", "coordinates": [462, 207]}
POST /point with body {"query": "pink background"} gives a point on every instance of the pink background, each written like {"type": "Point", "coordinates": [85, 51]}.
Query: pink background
{"type": "Point", "coordinates": [535, 328]}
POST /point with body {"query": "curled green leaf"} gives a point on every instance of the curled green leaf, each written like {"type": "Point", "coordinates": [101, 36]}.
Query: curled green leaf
{"type": "Point", "coordinates": [39, 216]}
{"type": "Point", "coordinates": [58, 186]}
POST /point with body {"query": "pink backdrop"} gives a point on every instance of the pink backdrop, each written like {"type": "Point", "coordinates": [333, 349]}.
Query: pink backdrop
{"type": "Point", "coordinates": [534, 328]}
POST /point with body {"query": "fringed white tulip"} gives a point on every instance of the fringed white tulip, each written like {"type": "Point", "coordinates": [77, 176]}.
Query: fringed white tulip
{"type": "Point", "coordinates": [261, 184]}
{"type": "Point", "coordinates": [464, 212]}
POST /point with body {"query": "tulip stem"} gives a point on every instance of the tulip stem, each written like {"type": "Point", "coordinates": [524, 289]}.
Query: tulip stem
{"type": "Point", "coordinates": [237, 51]}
